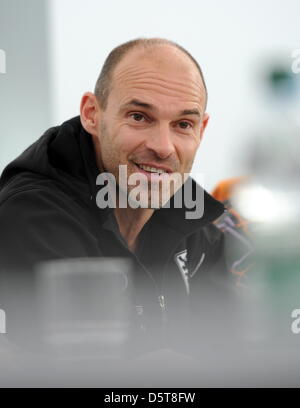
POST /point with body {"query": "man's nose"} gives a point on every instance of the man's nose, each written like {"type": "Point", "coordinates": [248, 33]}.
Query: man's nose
{"type": "Point", "coordinates": [160, 141]}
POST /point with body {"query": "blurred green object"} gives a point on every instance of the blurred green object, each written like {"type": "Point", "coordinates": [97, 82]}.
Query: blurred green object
{"type": "Point", "coordinates": [281, 83]}
{"type": "Point", "coordinates": [270, 201]}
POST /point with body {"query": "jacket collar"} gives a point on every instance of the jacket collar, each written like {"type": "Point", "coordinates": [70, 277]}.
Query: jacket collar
{"type": "Point", "coordinates": [206, 211]}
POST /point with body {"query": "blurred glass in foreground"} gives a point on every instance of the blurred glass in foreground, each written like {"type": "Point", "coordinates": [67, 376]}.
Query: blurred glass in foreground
{"type": "Point", "coordinates": [84, 306]}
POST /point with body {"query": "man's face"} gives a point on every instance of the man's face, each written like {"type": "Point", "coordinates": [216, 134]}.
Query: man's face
{"type": "Point", "coordinates": [154, 118]}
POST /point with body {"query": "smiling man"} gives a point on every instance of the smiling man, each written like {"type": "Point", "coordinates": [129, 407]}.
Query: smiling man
{"type": "Point", "coordinates": [147, 113]}
{"type": "Point", "coordinates": [147, 116]}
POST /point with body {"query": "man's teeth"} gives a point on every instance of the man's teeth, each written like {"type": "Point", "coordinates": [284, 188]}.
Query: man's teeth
{"type": "Point", "coordinates": [151, 169]}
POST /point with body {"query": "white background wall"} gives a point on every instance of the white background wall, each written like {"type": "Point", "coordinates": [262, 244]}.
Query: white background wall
{"type": "Point", "coordinates": [230, 39]}
{"type": "Point", "coordinates": [24, 87]}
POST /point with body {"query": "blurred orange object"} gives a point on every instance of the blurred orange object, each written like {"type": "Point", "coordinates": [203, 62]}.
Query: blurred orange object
{"type": "Point", "coordinates": [223, 190]}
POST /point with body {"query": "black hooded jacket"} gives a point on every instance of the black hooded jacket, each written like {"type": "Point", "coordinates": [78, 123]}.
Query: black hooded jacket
{"type": "Point", "coordinates": [48, 211]}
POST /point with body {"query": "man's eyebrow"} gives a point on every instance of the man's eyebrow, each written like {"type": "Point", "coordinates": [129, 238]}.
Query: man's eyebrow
{"type": "Point", "coordinates": [190, 112]}
{"type": "Point", "coordinates": [136, 102]}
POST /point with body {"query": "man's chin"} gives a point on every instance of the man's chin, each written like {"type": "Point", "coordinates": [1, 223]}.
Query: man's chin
{"type": "Point", "coordinates": [144, 198]}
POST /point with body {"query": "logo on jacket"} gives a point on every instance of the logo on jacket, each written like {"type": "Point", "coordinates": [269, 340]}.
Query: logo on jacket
{"type": "Point", "coordinates": [182, 263]}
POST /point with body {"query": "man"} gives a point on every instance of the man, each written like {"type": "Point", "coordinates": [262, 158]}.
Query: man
{"type": "Point", "coordinates": [148, 113]}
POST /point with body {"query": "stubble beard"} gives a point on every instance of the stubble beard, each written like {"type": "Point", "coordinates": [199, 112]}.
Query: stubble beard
{"type": "Point", "coordinates": [154, 194]}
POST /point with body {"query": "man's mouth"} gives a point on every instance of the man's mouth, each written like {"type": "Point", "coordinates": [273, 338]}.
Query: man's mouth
{"type": "Point", "coordinates": [151, 169]}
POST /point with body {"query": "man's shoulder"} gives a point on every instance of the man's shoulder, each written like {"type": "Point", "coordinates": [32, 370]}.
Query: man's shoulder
{"type": "Point", "coordinates": [30, 195]}
{"type": "Point", "coordinates": [40, 221]}
{"type": "Point", "coordinates": [29, 186]}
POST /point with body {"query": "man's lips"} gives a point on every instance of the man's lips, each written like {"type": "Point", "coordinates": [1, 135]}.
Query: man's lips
{"type": "Point", "coordinates": [153, 168]}
{"type": "Point", "coordinates": [152, 175]}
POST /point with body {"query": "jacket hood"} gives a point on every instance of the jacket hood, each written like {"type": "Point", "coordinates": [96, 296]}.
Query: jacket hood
{"type": "Point", "coordinates": [63, 153]}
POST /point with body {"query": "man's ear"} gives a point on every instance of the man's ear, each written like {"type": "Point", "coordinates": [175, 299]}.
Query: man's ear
{"type": "Point", "coordinates": [90, 113]}
{"type": "Point", "coordinates": [204, 124]}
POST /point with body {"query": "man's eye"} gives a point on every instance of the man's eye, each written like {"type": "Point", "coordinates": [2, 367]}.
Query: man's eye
{"type": "Point", "coordinates": [138, 117]}
{"type": "Point", "coordinates": [184, 125]}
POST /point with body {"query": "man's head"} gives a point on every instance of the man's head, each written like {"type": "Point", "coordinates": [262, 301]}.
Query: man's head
{"type": "Point", "coordinates": [148, 110]}
{"type": "Point", "coordinates": [104, 81]}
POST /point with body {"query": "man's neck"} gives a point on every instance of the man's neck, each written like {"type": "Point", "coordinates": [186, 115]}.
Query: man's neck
{"type": "Point", "coordinates": [131, 222]}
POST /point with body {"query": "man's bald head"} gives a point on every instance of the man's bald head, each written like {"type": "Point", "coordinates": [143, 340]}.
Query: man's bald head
{"type": "Point", "coordinates": [104, 81]}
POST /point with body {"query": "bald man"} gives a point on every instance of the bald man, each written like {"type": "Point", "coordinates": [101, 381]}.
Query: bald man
{"type": "Point", "coordinates": [114, 182]}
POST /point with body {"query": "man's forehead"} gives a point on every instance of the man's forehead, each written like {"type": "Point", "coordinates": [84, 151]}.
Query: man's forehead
{"type": "Point", "coordinates": [166, 72]}
{"type": "Point", "coordinates": [158, 58]}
